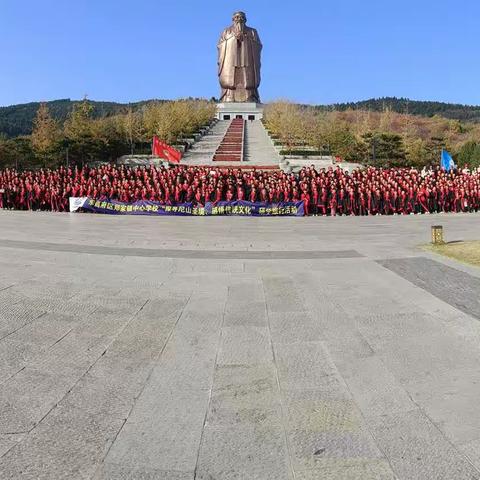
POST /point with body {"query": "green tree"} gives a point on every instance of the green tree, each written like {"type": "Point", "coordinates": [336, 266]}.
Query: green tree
{"type": "Point", "coordinates": [434, 146]}
{"type": "Point", "coordinates": [17, 153]}
{"type": "Point", "coordinates": [417, 153]}
{"type": "Point", "coordinates": [385, 149]}
{"type": "Point", "coordinates": [469, 154]}
{"type": "Point", "coordinates": [341, 140]}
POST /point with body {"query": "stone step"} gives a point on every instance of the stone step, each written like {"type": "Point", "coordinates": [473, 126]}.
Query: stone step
{"type": "Point", "coordinates": [224, 139]}
{"type": "Point", "coordinates": [203, 150]}
{"type": "Point", "coordinates": [259, 147]}
{"type": "Point", "coordinates": [231, 146]}
{"type": "Point", "coordinates": [240, 165]}
{"type": "Point", "coordinates": [219, 157]}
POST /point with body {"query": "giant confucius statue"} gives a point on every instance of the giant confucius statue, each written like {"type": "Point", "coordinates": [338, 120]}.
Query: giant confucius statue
{"type": "Point", "coordinates": [239, 52]}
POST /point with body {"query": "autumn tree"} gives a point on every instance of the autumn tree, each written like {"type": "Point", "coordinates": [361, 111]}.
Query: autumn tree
{"type": "Point", "coordinates": [45, 136]}
{"type": "Point", "coordinates": [284, 120]}
{"type": "Point", "coordinates": [131, 126]}
{"type": "Point", "coordinates": [315, 130]}
{"type": "Point", "coordinates": [79, 132]}
{"type": "Point", "coordinates": [171, 120]}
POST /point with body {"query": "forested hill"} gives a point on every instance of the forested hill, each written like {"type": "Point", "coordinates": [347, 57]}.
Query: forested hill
{"type": "Point", "coordinates": [17, 119]}
{"type": "Point", "coordinates": [413, 107]}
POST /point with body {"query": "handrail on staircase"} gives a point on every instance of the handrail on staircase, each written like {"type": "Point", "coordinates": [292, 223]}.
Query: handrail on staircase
{"type": "Point", "coordinates": [242, 158]}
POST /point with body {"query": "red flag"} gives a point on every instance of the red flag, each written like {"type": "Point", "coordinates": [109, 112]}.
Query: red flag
{"type": "Point", "coordinates": [162, 150]}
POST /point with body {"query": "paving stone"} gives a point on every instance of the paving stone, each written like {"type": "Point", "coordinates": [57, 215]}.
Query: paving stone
{"type": "Point", "coordinates": [245, 313]}
{"type": "Point", "coordinates": [295, 327]}
{"type": "Point", "coordinates": [114, 302]}
{"type": "Point", "coordinates": [107, 322]}
{"type": "Point", "coordinates": [472, 451]}
{"type": "Point", "coordinates": [122, 472]}
{"type": "Point", "coordinates": [28, 397]}
{"type": "Point", "coordinates": [185, 366]}
{"type": "Point", "coordinates": [69, 443]}
{"type": "Point", "coordinates": [350, 470]}
{"type": "Point", "coordinates": [163, 431]}
{"type": "Point", "coordinates": [256, 452]}
{"type": "Point", "coordinates": [7, 442]}
{"type": "Point", "coordinates": [234, 378]}
{"type": "Point", "coordinates": [177, 253]}
{"type": "Point", "coordinates": [213, 266]}
{"type": "Point", "coordinates": [328, 407]}
{"type": "Point", "coordinates": [74, 354]}
{"type": "Point", "coordinates": [427, 356]}
{"type": "Point", "coordinates": [14, 356]}
{"type": "Point", "coordinates": [245, 346]}
{"type": "Point", "coordinates": [450, 400]}
{"type": "Point", "coordinates": [188, 359]}
{"type": "Point", "coordinates": [325, 426]}
{"type": "Point", "coordinates": [281, 294]}
{"type": "Point", "coordinates": [451, 285]}
{"type": "Point", "coordinates": [302, 366]}
{"type": "Point", "coordinates": [417, 449]}
{"type": "Point", "coordinates": [68, 307]}
{"type": "Point", "coordinates": [374, 388]}
{"type": "Point", "coordinates": [163, 305]}
{"type": "Point", "coordinates": [9, 298]}
{"type": "Point", "coordinates": [241, 293]}
{"type": "Point", "coordinates": [36, 289]}
{"type": "Point", "coordinates": [44, 331]}
{"type": "Point", "coordinates": [115, 393]}
{"type": "Point", "coordinates": [347, 345]}
{"type": "Point", "coordinates": [384, 330]}
{"type": "Point", "coordinates": [168, 371]}
{"type": "Point", "coordinates": [255, 403]}
{"type": "Point", "coordinates": [15, 316]}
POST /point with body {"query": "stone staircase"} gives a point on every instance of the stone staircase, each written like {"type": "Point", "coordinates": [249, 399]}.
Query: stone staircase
{"type": "Point", "coordinates": [231, 146]}
{"type": "Point", "coordinates": [202, 152]}
{"type": "Point", "coordinates": [259, 148]}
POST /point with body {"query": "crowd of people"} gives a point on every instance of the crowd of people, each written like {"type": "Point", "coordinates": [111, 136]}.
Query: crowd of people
{"type": "Point", "coordinates": [332, 191]}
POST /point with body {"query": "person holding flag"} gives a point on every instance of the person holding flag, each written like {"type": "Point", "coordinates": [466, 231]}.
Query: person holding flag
{"type": "Point", "coordinates": [447, 162]}
{"type": "Point", "coordinates": [162, 150]}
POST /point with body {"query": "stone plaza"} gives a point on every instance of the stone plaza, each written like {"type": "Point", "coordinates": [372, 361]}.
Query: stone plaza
{"type": "Point", "coordinates": [237, 348]}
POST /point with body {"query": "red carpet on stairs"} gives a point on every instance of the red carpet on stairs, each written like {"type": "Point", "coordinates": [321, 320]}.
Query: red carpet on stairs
{"type": "Point", "coordinates": [231, 146]}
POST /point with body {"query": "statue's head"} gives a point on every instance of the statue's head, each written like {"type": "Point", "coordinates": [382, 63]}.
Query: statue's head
{"type": "Point", "coordinates": [239, 17]}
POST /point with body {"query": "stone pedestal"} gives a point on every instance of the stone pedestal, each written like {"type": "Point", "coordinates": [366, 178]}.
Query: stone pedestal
{"type": "Point", "coordinates": [246, 110]}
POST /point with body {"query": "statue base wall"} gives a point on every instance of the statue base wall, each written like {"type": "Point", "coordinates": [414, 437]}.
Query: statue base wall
{"type": "Point", "coordinates": [245, 110]}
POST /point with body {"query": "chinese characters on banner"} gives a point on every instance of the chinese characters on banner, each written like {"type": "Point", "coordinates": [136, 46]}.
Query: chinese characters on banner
{"type": "Point", "coordinates": [143, 207]}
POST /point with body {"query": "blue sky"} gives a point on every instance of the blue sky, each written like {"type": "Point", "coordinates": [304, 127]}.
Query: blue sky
{"type": "Point", "coordinates": [315, 51]}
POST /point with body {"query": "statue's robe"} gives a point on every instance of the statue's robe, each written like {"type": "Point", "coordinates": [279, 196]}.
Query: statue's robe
{"type": "Point", "coordinates": [239, 65]}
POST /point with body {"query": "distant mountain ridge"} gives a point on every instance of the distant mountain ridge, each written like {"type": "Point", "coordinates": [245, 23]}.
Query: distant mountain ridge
{"type": "Point", "coordinates": [17, 119]}
{"type": "Point", "coordinates": [412, 107]}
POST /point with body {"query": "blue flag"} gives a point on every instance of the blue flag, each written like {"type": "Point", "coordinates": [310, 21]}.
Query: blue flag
{"type": "Point", "coordinates": [447, 161]}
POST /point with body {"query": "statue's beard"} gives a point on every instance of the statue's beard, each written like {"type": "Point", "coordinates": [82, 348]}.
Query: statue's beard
{"type": "Point", "coordinates": [239, 27]}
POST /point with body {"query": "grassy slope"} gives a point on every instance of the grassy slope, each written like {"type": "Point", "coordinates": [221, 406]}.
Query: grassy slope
{"type": "Point", "coordinates": [467, 252]}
